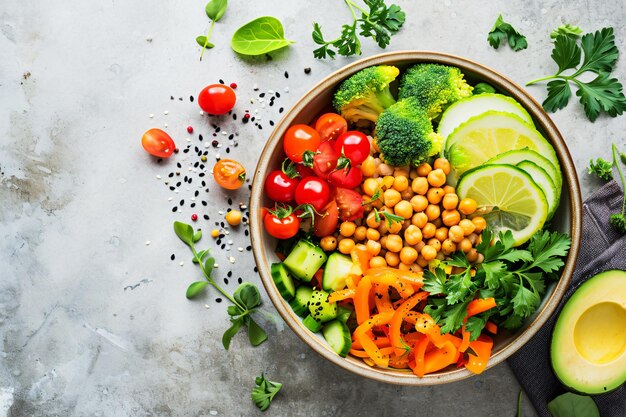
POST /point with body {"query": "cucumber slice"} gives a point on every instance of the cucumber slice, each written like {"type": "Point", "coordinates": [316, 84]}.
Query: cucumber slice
{"type": "Point", "coordinates": [516, 156]}
{"type": "Point", "coordinates": [284, 282]}
{"type": "Point", "coordinates": [312, 324]}
{"type": "Point", "coordinates": [321, 310]}
{"type": "Point", "coordinates": [300, 303]}
{"type": "Point", "coordinates": [463, 110]}
{"type": "Point", "coordinates": [344, 313]}
{"type": "Point", "coordinates": [304, 260]}
{"type": "Point", "coordinates": [336, 271]}
{"type": "Point", "coordinates": [541, 177]}
{"type": "Point", "coordinates": [338, 337]}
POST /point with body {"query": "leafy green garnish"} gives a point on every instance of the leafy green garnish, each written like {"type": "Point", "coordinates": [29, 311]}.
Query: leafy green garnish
{"type": "Point", "coordinates": [390, 217]}
{"type": "Point", "coordinates": [519, 404]}
{"type": "Point", "coordinates": [573, 405]}
{"type": "Point", "coordinates": [602, 168]}
{"type": "Point", "coordinates": [379, 23]}
{"type": "Point", "coordinates": [214, 9]}
{"type": "Point", "coordinates": [264, 391]}
{"type": "Point", "coordinates": [375, 197]}
{"type": "Point", "coordinates": [246, 298]}
{"type": "Point", "coordinates": [566, 29]}
{"type": "Point", "coordinates": [503, 31]}
{"type": "Point", "coordinates": [599, 55]}
{"type": "Point", "coordinates": [259, 36]}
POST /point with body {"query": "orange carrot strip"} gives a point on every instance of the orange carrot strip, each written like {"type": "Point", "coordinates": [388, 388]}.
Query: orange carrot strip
{"type": "Point", "coordinates": [480, 305]}
{"type": "Point", "coordinates": [361, 257]}
{"type": "Point", "coordinates": [396, 322]}
{"type": "Point", "coordinates": [491, 327]}
{"type": "Point", "coordinates": [482, 347]}
{"type": "Point", "coordinates": [411, 317]}
{"type": "Point", "coordinates": [388, 351]}
{"type": "Point", "coordinates": [440, 358]}
{"type": "Point", "coordinates": [391, 280]}
{"type": "Point", "coordinates": [379, 341]}
{"type": "Point", "coordinates": [420, 352]}
{"type": "Point", "coordinates": [350, 282]}
{"type": "Point", "coordinates": [382, 301]}
{"type": "Point", "coordinates": [426, 325]}
{"type": "Point", "coordinates": [359, 353]}
{"type": "Point", "coordinates": [466, 339]}
{"type": "Point", "coordinates": [361, 300]}
{"type": "Point", "coordinates": [360, 335]}
{"type": "Point", "coordinates": [456, 341]}
{"type": "Point", "coordinates": [407, 276]}
{"type": "Point", "coordinates": [341, 295]}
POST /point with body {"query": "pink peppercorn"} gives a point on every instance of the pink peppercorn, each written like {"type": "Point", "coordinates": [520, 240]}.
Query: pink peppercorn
{"type": "Point", "coordinates": [194, 217]}
{"type": "Point", "coordinates": [246, 116]}
{"type": "Point", "coordinates": [189, 129]}
{"type": "Point", "coordinates": [233, 85]}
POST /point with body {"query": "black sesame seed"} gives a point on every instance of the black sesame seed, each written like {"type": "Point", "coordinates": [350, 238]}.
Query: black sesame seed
{"type": "Point", "coordinates": [206, 217]}
{"type": "Point", "coordinates": [200, 138]}
{"type": "Point", "coordinates": [218, 300]}
{"type": "Point", "coordinates": [176, 150]}
{"type": "Point", "coordinates": [245, 120]}
{"type": "Point", "coordinates": [174, 209]}
{"type": "Point", "coordinates": [230, 201]}
{"type": "Point", "coordinates": [191, 98]}
{"type": "Point", "coordinates": [173, 257]}
{"type": "Point", "coordinates": [221, 81]}
{"type": "Point", "coordinates": [226, 281]}
{"type": "Point", "coordinates": [271, 123]}
{"type": "Point", "coordinates": [227, 150]}
{"type": "Point", "coordinates": [223, 246]}
{"type": "Point", "coordinates": [197, 193]}
{"type": "Point", "coordinates": [307, 70]}
{"type": "Point", "coordinates": [239, 280]}
{"type": "Point", "coordinates": [245, 232]}
{"type": "Point", "coordinates": [256, 269]}
{"type": "Point", "coordinates": [186, 150]}
{"type": "Point", "coordinates": [202, 175]}
{"type": "Point", "coordinates": [229, 274]}
{"type": "Point", "coordinates": [193, 205]}
{"type": "Point", "coordinates": [231, 136]}
{"type": "Point", "coordinates": [204, 203]}
{"type": "Point", "coordinates": [234, 116]}
{"type": "Point", "coordinates": [217, 129]}
{"type": "Point", "coordinates": [172, 188]}
{"type": "Point", "coordinates": [182, 202]}
{"type": "Point", "coordinates": [171, 174]}
{"type": "Point", "coordinates": [262, 95]}
{"type": "Point", "coordinates": [281, 110]}
{"type": "Point", "coordinates": [260, 127]}
{"type": "Point", "coordinates": [286, 74]}
{"type": "Point", "coordinates": [277, 95]}
{"type": "Point", "coordinates": [171, 97]}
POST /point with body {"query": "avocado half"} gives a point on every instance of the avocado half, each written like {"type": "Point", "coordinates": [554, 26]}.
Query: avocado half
{"type": "Point", "coordinates": [588, 350]}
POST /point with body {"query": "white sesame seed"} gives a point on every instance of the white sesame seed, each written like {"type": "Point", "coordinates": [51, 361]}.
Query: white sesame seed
{"type": "Point", "coordinates": [217, 156]}
{"type": "Point", "coordinates": [230, 242]}
{"type": "Point", "coordinates": [193, 198]}
{"type": "Point", "coordinates": [243, 207]}
{"type": "Point", "coordinates": [188, 140]}
{"type": "Point", "coordinates": [206, 306]}
{"type": "Point", "coordinates": [286, 89]}
{"type": "Point", "coordinates": [176, 191]}
{"type": "Point", "coordinates": [270, 91]}
{"type": "Point", "coordinates": [219, 145]}
{"type": "Point", "coordinates": [182, 263]}
{"type": "Point", "coordinates": [151, 115]}
{"type": "Point", "coordinates": [169, 199]}
{"type": "Point", "coordinates": [220, 212]}
{"type": "Point", "coordinates": [165, 112]}
{"type": "Point", "coordinates": [256, 110]}
{"type": "Point", "coordinates": [226, 232]}
{"type": "Point", "coordinates": [216, 266]}
{"type": "Point", "coordinates": [213, 412]}
{"type": "Point", "coordinates": [227, 248]}
{"type": "Point", "coordinates": [158, 177]}
{"type": "Point", "coordinates": [240, 249]}
{"type": "Point", "coordinates": [206, 145]}
{"type": "Point", "coordinates": [261, 100]}
{"type": "Point", "coordinates": [224, 133]}
{"type": "Point", "coordinates": [231, 259]}
{"type": "Point", "coordinates": [147, 243]}
{"type": "Point", "coordinates": [165, 124]}
{"type": "Point", "coordinates": [201, 113]}
{"type": "Point", "coordinates": [251, 101]}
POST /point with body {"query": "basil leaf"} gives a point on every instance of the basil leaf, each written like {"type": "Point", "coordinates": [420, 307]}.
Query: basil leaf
{"type": "Point", "coordinates": [572, 405]}
{"type": "Point", "coordinates": [184, 232]}
{"type": "Point", "coordinates": [215, 9]}
{"type": "Point", "coordinates": [255, 333]}
{"type": "Point", "coordinates": [202, 41]}
{"type": "Point", "coordinates": [195, 288]}
{"type": "Point", "coordinates": [247, 295]}
{"type": "Point", "coordinates": [259, 36]}
{"type": "Point", "coordinates": [231, 332]}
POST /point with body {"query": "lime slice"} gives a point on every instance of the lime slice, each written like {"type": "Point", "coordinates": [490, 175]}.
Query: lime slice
{"type": "Point", "coordinates": [484, 136]}
{"type": "Point", "coordinates": [543, 181]}
{"type": "Point", "coordinates": [520, 155]}
{"type": "Point", "coordinates": [507, 198]}
{"type": "Point", "coordinates": [462, 110]}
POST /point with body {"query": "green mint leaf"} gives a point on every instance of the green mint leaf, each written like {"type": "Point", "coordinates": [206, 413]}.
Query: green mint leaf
{"type": "Point", "coordinates": [568, 30]}
{"type": "Point", "coordinates": [247, 295]}
{"type": "Point", "coordinates": [255, 333]}
{"type": "Point", "coordinates": [435, 282]}
{"type": "Point", "coordinates": [184, 232]}
{"type": "Point", "coordinates": [600, 51]}
{"type": "Point", "coordinates": [215, 9]}
{"type": "Point", "coordinates": [559, 93]}
{"type": "Point", "coordinates": [202, 41]}
{"type": "Point", "coordinates": [264, 391]}
{"type": "Point", "coordinates": [566, 53]}
{"type": "Point", "coordinates": [573, 405]}
{"type": "Point", "coordinates": [259, 36]}
{"type": "Point", "coordinates": [197, 236]}
{"type": "Point", "coordinates": [602, 168]}
{"type": "Point", "coordinates": [232, 331]}
{"type": "Point", "coordinates": [504, 31]}
{"type": "Point", "coordinates": [602, 94]}
{"type": "Point", "coordinates": [195, 288]}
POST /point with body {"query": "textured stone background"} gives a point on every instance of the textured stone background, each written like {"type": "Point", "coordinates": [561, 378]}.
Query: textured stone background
{"type": "Point", "coordinates": [93, 322]}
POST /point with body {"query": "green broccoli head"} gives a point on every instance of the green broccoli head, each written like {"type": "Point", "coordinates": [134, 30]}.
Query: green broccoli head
{"type": "Point", "coordinates": [404, 134]}
{"type": "Point", "coordinates": [434, 87]}
{"type": "Point", "coordinates": [366, 94]}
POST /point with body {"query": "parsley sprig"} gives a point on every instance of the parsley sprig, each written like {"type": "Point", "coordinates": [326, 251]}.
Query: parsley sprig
{"type": "Point", "coordinates": [516, 278]}
{"type": "Point", "coordinates": [604, 169]}
{"type": "Point", "coordinates": [503, 31]}
{"type": "Point", "coordinates": [380, 22]}
{"type": "Point", "coordinates": [264, 391]}
{"type": "Point", "coordinates": [599, 55]}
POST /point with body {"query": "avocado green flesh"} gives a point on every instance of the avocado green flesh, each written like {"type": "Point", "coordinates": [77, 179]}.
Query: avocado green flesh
{"type": "Point", "coordinates": [588, 350]}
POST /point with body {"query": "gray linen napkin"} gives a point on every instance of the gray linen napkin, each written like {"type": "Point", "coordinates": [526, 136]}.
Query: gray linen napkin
{"type": "Point", "coordinates": [601, 248]}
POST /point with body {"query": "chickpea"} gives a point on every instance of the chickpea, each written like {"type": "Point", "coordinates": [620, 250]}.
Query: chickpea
{"type": "Point", "coordinates": [420, 185]}
{"type": "Point", "coordinates": [419, 219]}
{"type": "Point", "coordinates": [435, 243]}
{"type": "Point", "coordinates": [368, 167]}
{"type": "Point", "coordinates": [377, 262]}
{"type": "Point", "coordinates": [441, 233]}
{"type": "Point", "coordinates": [400, 183]}
{"type": "Point", "coordinates": [440, 256]}
{"type": "Point", "coordinates": [392, 258]}
{"type": "Point", "coordinates": [346, 246]}
{"type": "Point", "coordinates": [347, 229]}
{"type": "Point", "coordinates": [435, 195]}
{"type": "Point", "coordinates": [387, 181]}
{"type": "Point", "coordinates": [372, 234]}
{"type": "Point", "coordinates": [437, 222]}
{"type": "Point", "coordinates": [360, 233]}
{"type": "Point", "coordinates": [473, 237]}
{"type": "Point", "coordinates": [450, 201]}
{"type": "Point", "coordinates": [408, 255]}
{"type": "Point", "coordinates": [412, 235]}
{"type": "Point", "coordinates": [450, 217]}
{"type": "Point", "coordinates": [424, 169]}
{"type": "Point", "coordinates": [465, 245]}
{"type": "Point", "coordinates": [413, 174]}
{"type": "Point", "coordinates": [422, 262]}
{"type": "Point", "coordinates": [468, 226]}
{"type": "Point", "coordinates": [448, 246]}
{"type": "Point", "coordinates": [448, 189]}
{"type": "Point", "coordinates": [403, 267]}
{"type": "Point", "coordinates": [419, 203]}
{"type": "Point", "coordinates": [428, 253]}
{"type": "Point", "coordinates": [429, 230]}
{"type": "Point", "coordinates": [401, 171]}
{"type": "Point", "coordinates": [467, 206]}
{"type": "Point", "coordinates": [480, 258]}
{"type": "Point", "coordinates": [233, 217]}
{"type": "Point", "coordinates": [328, 243]}
{"type": "Point", "coordinates": [393, 243]}
{"type": "Point", "coordinates": [455, 234]}
{"type": "Point", "coordinates": [480, 224]}
{"type": "Point", "coordinates": [403, 209]}
{"type": "Point", "coordinates": [437, 178]}
{"type": "Point", "coordinates": [384, 169]}
{"type": "Point", "coordinates": [419, 246]}
{"type": "Point", "coordinates": [391, 197]}
{"type": "Point", "coordinates": [472, 255]}
{"type": "Point", "coordinates": [383, 241]}
{"type": "Point", "coordinates": [378, 204]}
{"type": "Point", "coordinates": [371, 220]}
{"type": "Point", "coordinates": [416, 268]}
{"type": "Point", "coordinates": [370, 185]}
{"type": "Point", "coordinates": [372, 247]}
{"type": "Point", "coordinates": [395, 227]}
{"type": "Point", "coordinates": [432, 212]}
{"type": "Point", "coordinates": [407, 194]}
{"type": "Point", "coordinates": [442, 164]}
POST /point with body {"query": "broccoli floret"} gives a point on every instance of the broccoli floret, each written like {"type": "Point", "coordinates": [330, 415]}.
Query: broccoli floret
{"type": "Point", "coordinates": [366, 94]}
{"type": "Point", "coordinates": [404, 134]}
{"type": "Point", "coordinates": [434, 87]}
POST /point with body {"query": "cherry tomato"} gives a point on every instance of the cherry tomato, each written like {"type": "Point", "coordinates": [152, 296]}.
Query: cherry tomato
{"type": "Point", "coordinates": [326, 224]}
{"type": "Point", "coordinates": [350, 205]}
{"type": "Point", "coordinates": [354, 145]}
{"type": "Point", "coordinates": [229, 174]}
{"type": "Point", "coordinates": [158, 143]}
{"type": "Point", "coordinates": [279, 187]}
{"type": "Point", "coordinates": [300, 138]}
{"type": "Point", "coordinates": [330, 126]}
{"type": "Point", "coordinates": [313, 191]}
{"type": "Point", "coordinates": [217, 99]}
{"type": "Point", "coordinates": [281, 223]}
{"type": "Point", "coordinates": [325, 160]}
{"type": "Point", "coordinates": [346, 177]}
{"type": "Point", "coordinates": [304, 171]}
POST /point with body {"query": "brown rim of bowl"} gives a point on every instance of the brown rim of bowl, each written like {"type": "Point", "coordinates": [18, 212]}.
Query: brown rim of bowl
{"type": "Point", "coordinates": [546, 124]}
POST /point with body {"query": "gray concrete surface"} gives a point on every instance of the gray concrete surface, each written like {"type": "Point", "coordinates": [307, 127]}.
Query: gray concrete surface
{"type": "Point", "coordinates": [93, 321]}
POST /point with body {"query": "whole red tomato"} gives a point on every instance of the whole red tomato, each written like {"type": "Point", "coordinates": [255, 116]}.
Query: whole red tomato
{"type": "Point", "coordinates": [304, 171]}
{"type": "Point", "coordinates": [282, 222]}
{"type": "Point", "coordinates": [346, 177]}
{"type": "Point", "coordinates": [280, 187]}
{"type": "Point", "coordinates": [350, 204]}
{"type": "Point", "coordinates": [325, 160]}
{"type": "Point", "coordinates": [217, 99]}
{"type": "Point", "coordinates": [354, 145]}
{"type": "Point", "coordinates": [313, 191]}
{"type": "Point", "coordinates": [298, 139]}
{"type": "Point", "coordinates": [325, 223]}
{"type": "Point", "coordinates": [158, 143]}
{"type": "Point", "coordinates": [330, 126]}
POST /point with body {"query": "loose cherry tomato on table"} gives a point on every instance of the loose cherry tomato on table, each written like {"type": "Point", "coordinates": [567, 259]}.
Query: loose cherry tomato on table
{"type": "Point", "coordinates": [313, 191]}
{"type": "Point", "coordinates": [282, 222]}
{"type": "Point", "coordinates": [325, 160]}
{"type": "Point", "coordinates": [346, 177]}
{"type": "Point", "coordinates": [330, 126]}
{"type": "Point", "coordinates": [325, 223]}
{"type": "Point", "coordinates": [280, 187]}
{"type": "Point", "coordinates": [350, 204]}
{"type": "Point", "coordinates": [229, 174]}
{"type": "Point", "coordinates": [158, 143]}
{"type": "Point", "coordinates": [354, 145]}
{"type": "Point", "coordinates": [298, 139]}
{"type": "Point", "coordinates": [217, 99]}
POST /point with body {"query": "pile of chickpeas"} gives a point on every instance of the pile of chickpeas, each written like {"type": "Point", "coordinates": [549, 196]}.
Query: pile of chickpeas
{"type": "Point", "coordinates": [436, 221]}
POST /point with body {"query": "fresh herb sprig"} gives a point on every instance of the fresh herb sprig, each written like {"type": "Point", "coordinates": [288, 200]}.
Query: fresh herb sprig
{"type": "Point", "coordinates": [573, 405]}
{"type": "Point", "coordinates": [566, 29]}
{"type": "Point", "coordinates": [214, 9]}
{"type": "Point", "coordinates": [604, 169]}
{"type": "Point", "coordinates": [389, 217]}
{"type": "Point", "coordinates": [599, 55]}
{"type": "Point", "coordinates": [516, 278]}
{"type": "Point", "coordinates": [264, 391]}
{"type": "Point", "coordinates": [503, 31]}
{"type": "Point", "coordinates": [246, 298]}
{"type": "Point", "coordinates": [380, 22]}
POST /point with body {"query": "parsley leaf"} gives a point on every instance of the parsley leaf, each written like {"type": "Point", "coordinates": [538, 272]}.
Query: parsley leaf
{"type": "Point", "coordinates": [264, 391]}
{"type": "Point", "coordinates": [475, 325]}
{"type": "Point", "coordinates": [435, 281]}
{"type": "Point", "coordinates": [566, 29]}
{"type": "Point", "coordinates": [453, 317]}
{"type": "Point", "coordinates": [602, 168]}
{"type": "Point", "coordinates": [503, 31]}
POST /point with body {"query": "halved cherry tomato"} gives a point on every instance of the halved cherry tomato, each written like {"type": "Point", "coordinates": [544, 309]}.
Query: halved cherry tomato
{"type": "Point", "coordinates": [158, 143]}
{"type": "Point", "coordinates": [350, 204]}
{"type": "Point", "coordinates": [354, 145]}
{"type": "Point", "coordinates": [325, 160]}
{"type": "Point", "coordinates": [217, 99]}
{"type": "Point", "coordinates": [229, 174]}
{"type": "Point", "coordinates": [346, 177]}
{"type": "Point", "coordinates": [326, 223]}
{"type": "Point", "coordinates": [280, 187]}
{"type": "Point", "coordinates": [281, 222]}
{"type": "Point", "coordinates": [298, 139]}
{"type": "Point", "coordinates": [313, 191]}
{"type": "Point", "coordinates": [330, 126]}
